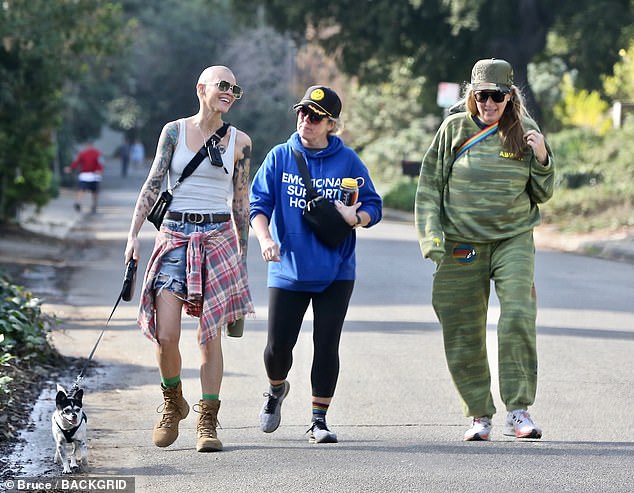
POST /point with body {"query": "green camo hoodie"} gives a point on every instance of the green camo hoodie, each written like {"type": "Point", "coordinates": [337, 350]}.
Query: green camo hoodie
{"type": "Point", "coordinates": [485, 196]}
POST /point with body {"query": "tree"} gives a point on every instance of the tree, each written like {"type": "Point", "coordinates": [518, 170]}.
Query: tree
{"type": "Point", "coordinates": [166, 62]}
{"type": "Point", "coordinates": [171, 46]}
{"type": "Point", "coordinates": [264, 63]}
{"type": "Point", "coordinates": [383, 125]}
{"type": "Point", "coordinates": [621, 84]}
{"type": "Point", "coordinates": [445, 37]}
{"type": "Point", "coordinates": [45, 45]}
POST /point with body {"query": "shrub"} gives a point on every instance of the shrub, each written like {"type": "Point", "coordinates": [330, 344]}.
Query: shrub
{"type": "Point", "coordinates": [24, 330]}
{"type": "Point", "coordinates": [401, 196]}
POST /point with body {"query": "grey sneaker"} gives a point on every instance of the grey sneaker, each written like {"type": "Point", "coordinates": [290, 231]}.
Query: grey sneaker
{"type": "Point", "coordinates": [271, 413]}
{"type": "Point", "coordinates": [319, 433]}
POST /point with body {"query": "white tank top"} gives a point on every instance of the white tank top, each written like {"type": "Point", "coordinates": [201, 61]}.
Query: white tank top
{"type": "Point", "coordinates": [208, 189]}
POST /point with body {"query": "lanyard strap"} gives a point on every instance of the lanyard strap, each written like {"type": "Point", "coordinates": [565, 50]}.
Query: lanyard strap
{"type": "Point", "coordinates": [202, 154]}
{"type": "Point", "coordinates": [474, 139]}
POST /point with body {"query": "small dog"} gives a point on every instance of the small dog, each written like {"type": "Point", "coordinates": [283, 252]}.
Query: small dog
{"type": "Point", "coordinates": [69, 427]}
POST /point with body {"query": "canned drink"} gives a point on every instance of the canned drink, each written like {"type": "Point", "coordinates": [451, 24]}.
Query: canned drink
{"type": "Point", "coordinates": [349, 190]}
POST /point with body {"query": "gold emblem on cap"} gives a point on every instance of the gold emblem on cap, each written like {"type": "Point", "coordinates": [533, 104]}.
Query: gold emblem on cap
{"type": "Point", "coordinates": [317, 95]}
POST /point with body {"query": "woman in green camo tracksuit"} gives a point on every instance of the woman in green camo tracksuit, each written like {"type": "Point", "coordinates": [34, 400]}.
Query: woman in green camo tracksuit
{"type": "Point", "coordinates": [475, 214]}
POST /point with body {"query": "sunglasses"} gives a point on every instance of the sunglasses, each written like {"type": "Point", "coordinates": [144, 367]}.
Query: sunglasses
{"type": "Point", "coordinates": [311, 115]}
{"type": "Point", "coordinates": [225, 86]}
{"type": "Point", "coordinates": [496, 96]}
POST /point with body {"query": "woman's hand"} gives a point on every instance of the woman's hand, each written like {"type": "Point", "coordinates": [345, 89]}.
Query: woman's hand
{"type": "Point", "coordinates": [131, 250]}
{"type": "Point", "coordinates": [536, 141]}
{"type": "Point", "coordinates": [270, 250]}
{"type": "Point", "coordinates": [348, 212]}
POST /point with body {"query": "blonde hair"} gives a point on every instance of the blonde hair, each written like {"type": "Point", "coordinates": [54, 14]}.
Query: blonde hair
{"type": "Point", "coordinates": [338, 128]}
{"type": "Point", "coordinates": [510, 126]}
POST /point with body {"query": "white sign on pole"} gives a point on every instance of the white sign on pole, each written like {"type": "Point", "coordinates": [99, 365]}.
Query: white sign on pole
{"type": "Point", "coordinates": [448, 94]}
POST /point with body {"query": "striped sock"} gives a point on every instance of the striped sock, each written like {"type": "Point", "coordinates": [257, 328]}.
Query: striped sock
{"type": "Point", "coordinates": [319, 411]}
{"type": "Point", "coordinates": [170, 383]}
{"type": "Point", "coordinates": [211, 397]}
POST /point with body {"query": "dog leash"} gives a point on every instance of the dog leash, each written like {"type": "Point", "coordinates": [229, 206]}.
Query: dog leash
{"type": "Point", "coordinates": [126, 295]}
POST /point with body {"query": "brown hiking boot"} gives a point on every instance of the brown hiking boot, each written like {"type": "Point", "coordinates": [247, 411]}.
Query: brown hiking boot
{"type": "Point", "coordinates": [174, 408]}
{"type": "Point", "coordinates": [206, 428]}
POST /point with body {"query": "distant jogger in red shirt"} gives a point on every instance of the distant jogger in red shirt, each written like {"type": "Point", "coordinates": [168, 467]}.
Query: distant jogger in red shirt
{"type": "Point", "coordinates": [89, 162]}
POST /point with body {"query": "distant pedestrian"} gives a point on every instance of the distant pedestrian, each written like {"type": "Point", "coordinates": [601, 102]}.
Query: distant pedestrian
{"type": "Point", "coordinates": [476, 206]}
{"type": "Point", "coordinates": [123, 154]}
{"type": "Point", "coordinates": [89, 163]}
{"type": "Point", "coordinates": [302, 269]}
{"type": "Point", "coordinates": [137, 154]}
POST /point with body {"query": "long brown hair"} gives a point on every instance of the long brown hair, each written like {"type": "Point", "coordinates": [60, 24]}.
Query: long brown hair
{"type": "Point", "coordinates": [510, 125]}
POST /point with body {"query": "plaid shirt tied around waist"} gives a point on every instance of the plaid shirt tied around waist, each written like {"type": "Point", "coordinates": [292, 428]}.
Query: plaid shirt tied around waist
{"type": "Point", "coordinates": [217, 284]}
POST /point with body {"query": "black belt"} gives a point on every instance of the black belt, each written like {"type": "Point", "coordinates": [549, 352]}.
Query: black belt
{"type": "Point", "coordinates": [197, 217]}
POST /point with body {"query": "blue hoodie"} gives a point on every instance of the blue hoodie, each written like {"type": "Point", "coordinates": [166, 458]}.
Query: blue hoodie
{"type": "Point", "coordinates": [278, 192]}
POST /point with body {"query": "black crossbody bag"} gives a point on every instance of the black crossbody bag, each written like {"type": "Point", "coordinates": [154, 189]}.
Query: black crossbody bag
{"type": "Point", "coordinates": [320, 214]}
{"type": "Point", "coordinates": [210, 149]}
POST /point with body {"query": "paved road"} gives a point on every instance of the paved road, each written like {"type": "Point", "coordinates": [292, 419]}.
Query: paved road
{"type": "Point", "coordinates": [395, 411]}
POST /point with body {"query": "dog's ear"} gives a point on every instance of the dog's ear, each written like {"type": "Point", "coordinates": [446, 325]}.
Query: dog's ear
{"type": "Point", "coordinates": [60, 398]}
{"type": "Point", "coordinates": [78, 396]}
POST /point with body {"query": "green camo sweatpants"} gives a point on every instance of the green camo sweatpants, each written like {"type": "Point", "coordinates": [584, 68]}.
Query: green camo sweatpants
{"type": "Point", "coordinates": [460, 297]}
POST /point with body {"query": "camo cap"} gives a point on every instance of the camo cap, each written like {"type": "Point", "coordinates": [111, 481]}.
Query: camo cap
{"type": "Point", "coordinates": [492, 74]}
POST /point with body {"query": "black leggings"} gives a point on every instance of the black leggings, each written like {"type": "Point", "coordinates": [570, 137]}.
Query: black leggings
{"type": "Point", "coordinates": [286, 313]}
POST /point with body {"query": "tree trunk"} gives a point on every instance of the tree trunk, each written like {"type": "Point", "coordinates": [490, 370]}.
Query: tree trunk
{"type": "Point", "coordinates": [520, 46]}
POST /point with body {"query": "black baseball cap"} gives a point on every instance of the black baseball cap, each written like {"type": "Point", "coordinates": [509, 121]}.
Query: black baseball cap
{"type": "Point", "coordinates": [322, 100]}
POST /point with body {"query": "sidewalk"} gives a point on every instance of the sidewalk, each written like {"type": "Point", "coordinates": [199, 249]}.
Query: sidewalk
{"type": "Point", "coordinates": [56, 219]}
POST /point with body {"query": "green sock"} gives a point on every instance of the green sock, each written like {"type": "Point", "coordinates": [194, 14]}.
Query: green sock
{"type": "Point", "coordinates": [170, 383]}
{"type": "Point", "coordinates": [211, 397]}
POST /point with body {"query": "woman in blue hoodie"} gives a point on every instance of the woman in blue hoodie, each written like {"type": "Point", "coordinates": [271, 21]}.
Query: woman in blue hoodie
{"type": "Point", "coordinates": [302, 268]}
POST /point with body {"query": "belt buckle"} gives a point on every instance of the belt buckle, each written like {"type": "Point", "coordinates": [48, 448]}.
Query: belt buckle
{"type": "Point", "coordinates": [195, 217]}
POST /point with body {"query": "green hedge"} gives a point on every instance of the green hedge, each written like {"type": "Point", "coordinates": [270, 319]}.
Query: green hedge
{"type": "Point", "coordinates": [24, 331]}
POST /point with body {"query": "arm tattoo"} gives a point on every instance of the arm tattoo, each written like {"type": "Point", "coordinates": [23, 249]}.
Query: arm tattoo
{"type": "Point", "coordinates": [241, 198]}
{"type": "Point", "coordinates": [152, 186]}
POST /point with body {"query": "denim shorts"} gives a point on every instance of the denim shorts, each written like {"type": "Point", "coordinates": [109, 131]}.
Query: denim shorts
{"type": "Point", "coordinates": [173, 269]}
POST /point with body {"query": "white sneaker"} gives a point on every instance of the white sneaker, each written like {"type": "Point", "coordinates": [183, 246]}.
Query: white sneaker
{"type": "Point", "coordinates": [480, 430]}
{"type": "Point", "coordinates": [319, 433]}
{"type": "Point", "coordinates": [520, 425]}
